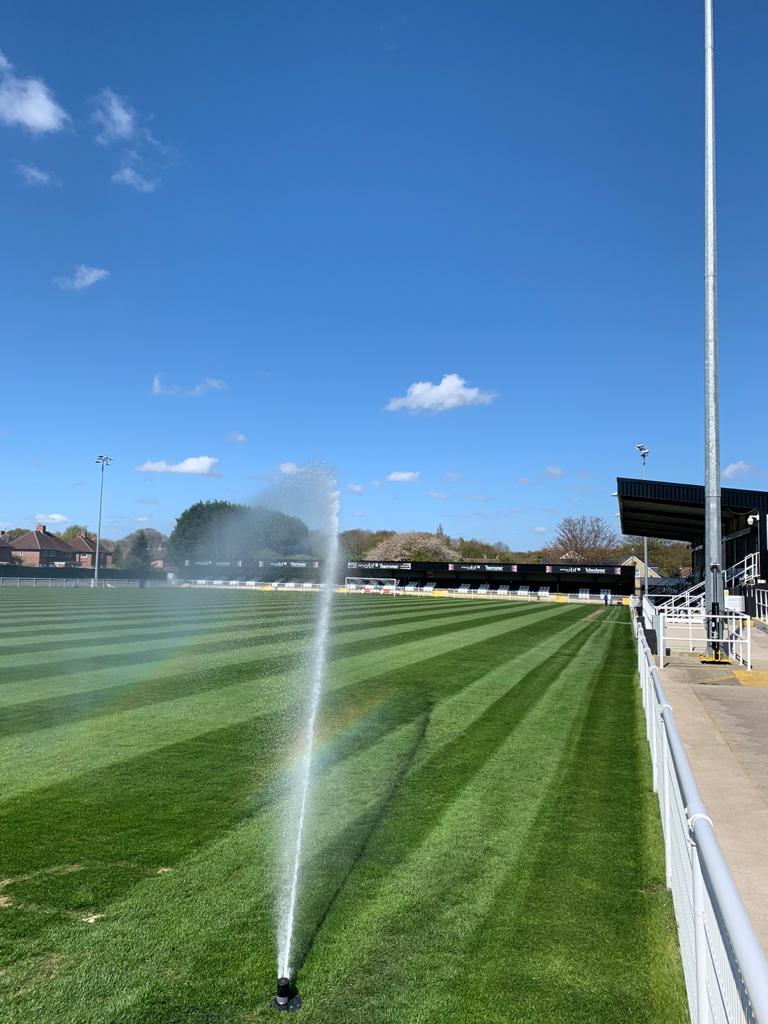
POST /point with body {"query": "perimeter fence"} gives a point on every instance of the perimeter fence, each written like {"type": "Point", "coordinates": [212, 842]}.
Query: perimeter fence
{"type": "Point", "coordinates": [726, 972]}
{"type": "Point", "coordinates": [64, 583]}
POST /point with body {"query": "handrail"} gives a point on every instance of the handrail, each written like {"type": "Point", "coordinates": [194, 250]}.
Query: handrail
{"type": "Point", "coordinates": [750, 966]}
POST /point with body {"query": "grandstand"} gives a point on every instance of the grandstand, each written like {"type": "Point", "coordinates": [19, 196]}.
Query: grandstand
{"type": "Point", "coordinates": [673, 511]}
{"type": "Point", "coordinates": [490, 579]}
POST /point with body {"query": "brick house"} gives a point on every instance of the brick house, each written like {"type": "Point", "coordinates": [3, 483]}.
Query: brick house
{"type": "Point", "coordinates": [38, 547]}
{"type": "Point", "coordinates": [6, 552]}
{"type": "Point", "coordinates": [84, 548]}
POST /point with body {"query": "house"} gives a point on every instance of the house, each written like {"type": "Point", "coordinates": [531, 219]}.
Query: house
{"type": "Point", "coordinates": [38, 547]}
{"type": "Point", "coordinates": [640, 571]}
{"type": "Point", "coordinates": [84, 548]}
{"type": "Point", "coordinates": [6, 552]}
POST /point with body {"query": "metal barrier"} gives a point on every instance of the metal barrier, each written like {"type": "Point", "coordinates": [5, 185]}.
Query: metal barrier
{"type": "Point", "coordinates": [689, 632]}
{"type": "Point", "coordinates": [65, 583]}
{"type": "Point", "coordinates": [761, 605]}
{"type": "Point", "coordinates": [726, 972]}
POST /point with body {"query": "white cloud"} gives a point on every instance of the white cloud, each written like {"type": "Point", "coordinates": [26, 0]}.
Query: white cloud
{"type": "Point", "coordinates": [148, 501]}
{"type": "Point", "coordinates": [115, 118]}
{"type": "Point", "coordinates": [539, 529]}
{"type": "Point", "coordinates": [288, 468]}
{"type": "Point", "coordinates": [83, 277]}
{"type": "Point", "coordinates": [554, 471]}
{"type": "Point", "coordinates": [402, 477]}
{"type": "Point", "coordinates": [237, 437]}
{"type": "Point", "coordinates": [206, 385]}
{"type": "Point", "coordinates": [375, 483]}
{"type": "Point", "coordinates": [34, 176]}
{"type": "Point", "coordinates": [128, 175]}
{"type": "Point", "coordinates": [28, 102]}
{"type": "Point", "coordinates": [358, 514]}
{"type": "Point", "coordinates": [142, 519]}
{"type": "Point", "coordinates": [439, 495]}
{"type": "Point", "coordinates": [452, 477]}
{"type": "Point", "coordinates": [52, 519]}
{"type": "Point", "coordinates": [197, 465]}
{"type": "Point", "coordinates": [356, 488]}
{"type": "Point", "coordinates": [450, 393]}
{"type": "Point", "coordinates": [736, 469]}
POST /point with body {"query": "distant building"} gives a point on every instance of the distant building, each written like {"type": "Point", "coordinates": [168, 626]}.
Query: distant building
{"type": "Point", "coordinates": [641, 572]}
{"type": "Point", "coordinates": [84, 548]}
{"type": "Point", "coordinates": [38, 547]}
{"type": "Point", "coordinates": [6, 551]}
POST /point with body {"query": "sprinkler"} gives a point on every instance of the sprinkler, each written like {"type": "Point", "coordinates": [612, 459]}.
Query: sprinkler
{"type": "Point", "coordinates": [286, 998]}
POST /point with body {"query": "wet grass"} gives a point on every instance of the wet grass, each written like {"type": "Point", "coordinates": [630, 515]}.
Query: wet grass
{"type": "Point", "coordinates": [483, 844]}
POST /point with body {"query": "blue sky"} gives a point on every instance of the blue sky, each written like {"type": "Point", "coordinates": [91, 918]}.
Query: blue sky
{"type": "Point", "coordinates": [233, 234]}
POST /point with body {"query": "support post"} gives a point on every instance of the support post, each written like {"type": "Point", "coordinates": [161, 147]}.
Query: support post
{"type": "Point", "coordinates": [712, 521]}
{"type": "Point", "coordinates": [700, 938]}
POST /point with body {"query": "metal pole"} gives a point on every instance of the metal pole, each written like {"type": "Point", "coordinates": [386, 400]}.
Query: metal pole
{"type": "Point", "coordinates": [103, 460]}
{"type": "Point", "coordinates": [644, 453]}
{"type": "Point", "coordinates": [645, 539]}
{"type": "Point", "coordinates": [712, 523]}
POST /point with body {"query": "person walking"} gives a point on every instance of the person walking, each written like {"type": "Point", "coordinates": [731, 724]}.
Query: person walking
{"type": "Point", "coordinates": [606, 598]}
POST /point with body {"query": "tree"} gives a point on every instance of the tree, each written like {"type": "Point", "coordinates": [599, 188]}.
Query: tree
{"type": "Point", "coordinates": [72, 531]}
{"type": "Point", "coordinates": [413, 546]}
{"type": "Point", "coordinates": [141, 555]}
{"type": "Point", "coordinates": [18, 531]}
{"type": "Point", "coordinates": [220, 531]}
{"type": "Point", "coordinates": [670, 557]}
{"type": "Point", "coordinates": [583, 539]}
{"type": "Point", "coordinates": [355, 544]}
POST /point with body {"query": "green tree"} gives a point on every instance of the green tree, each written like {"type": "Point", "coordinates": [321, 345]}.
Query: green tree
{"type": "Point", "coordinates": [669, 557]}
{"type": "Point", "coordinates": [141, 555]}
{"type": "Point", "coordinates": [220, 531]}
{"type": "Point", "coordinates": [72, 531]}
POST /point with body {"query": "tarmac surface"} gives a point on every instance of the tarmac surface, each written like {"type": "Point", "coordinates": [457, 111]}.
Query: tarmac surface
{"type": "Point", "coordinates": [722, 717]}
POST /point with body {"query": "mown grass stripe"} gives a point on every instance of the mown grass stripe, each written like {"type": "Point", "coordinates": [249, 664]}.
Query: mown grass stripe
{"type": "Point", "coordinates": [33, 759]}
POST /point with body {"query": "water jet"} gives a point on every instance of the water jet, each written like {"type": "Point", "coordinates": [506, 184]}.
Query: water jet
{"type": "Point", "coordinates": [286, 999]}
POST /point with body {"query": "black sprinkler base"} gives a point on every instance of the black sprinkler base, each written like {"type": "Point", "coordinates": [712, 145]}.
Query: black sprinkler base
{"type": "Point", "coordinates": [294, 1003]}
{"type": "Point", "coordinates": [287, 999]}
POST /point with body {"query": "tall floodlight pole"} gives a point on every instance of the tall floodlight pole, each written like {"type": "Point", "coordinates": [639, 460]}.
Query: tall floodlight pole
{"type": "Point", "coordinates": [103, 461]}
{"type": "Point", "coordinates": [712, 524]}
{"type": "Point", "coordinates": [644, 453]}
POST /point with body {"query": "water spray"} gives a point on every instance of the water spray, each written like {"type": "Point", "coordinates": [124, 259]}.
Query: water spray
{"type": "Point", "coordinates": [286, 999]}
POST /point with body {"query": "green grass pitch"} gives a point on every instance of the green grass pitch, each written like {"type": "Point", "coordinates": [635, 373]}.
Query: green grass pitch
{"type": "Point", "coordinates": [483, 846]}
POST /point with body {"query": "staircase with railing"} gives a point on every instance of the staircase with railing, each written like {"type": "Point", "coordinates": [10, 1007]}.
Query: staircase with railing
{"type": "Point", "coordinates": [691, 601]}
{"type": "Point", "coordinates": [744, 572]}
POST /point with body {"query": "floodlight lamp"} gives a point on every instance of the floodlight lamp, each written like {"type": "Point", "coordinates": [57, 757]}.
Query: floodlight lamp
{"type": "Point", "coordinates": [643, 450]}
{"type": "Point", "coordinates": [104, 460]}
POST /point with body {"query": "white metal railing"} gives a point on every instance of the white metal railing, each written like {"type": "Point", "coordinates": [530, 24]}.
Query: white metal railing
{"type": "Point", "coordinates": [726, 972]}
{"type": "Point", "coordinates": [64, 583]}
{"type": "Point", "coordinates": [761, 605]}
{"type": "Point", "coordinates": [744, 572]}
{"type": "Point", "coordinates": [689, 633]}
{"type": "Point", "coordinates": [693, 597]}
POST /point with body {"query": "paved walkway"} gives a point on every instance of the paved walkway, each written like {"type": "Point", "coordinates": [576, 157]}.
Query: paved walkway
{"type": "Point", "coordinates": [722, 716]}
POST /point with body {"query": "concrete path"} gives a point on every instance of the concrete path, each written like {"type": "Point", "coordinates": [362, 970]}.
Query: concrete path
{"type": "Point", "coordinates": [722, 716]}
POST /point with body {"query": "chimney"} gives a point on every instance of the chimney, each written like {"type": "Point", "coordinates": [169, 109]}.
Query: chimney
{"type": "Point", "coordinates": [40, 528]}
{"type": "Point", "coordinates": [81, 533]}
